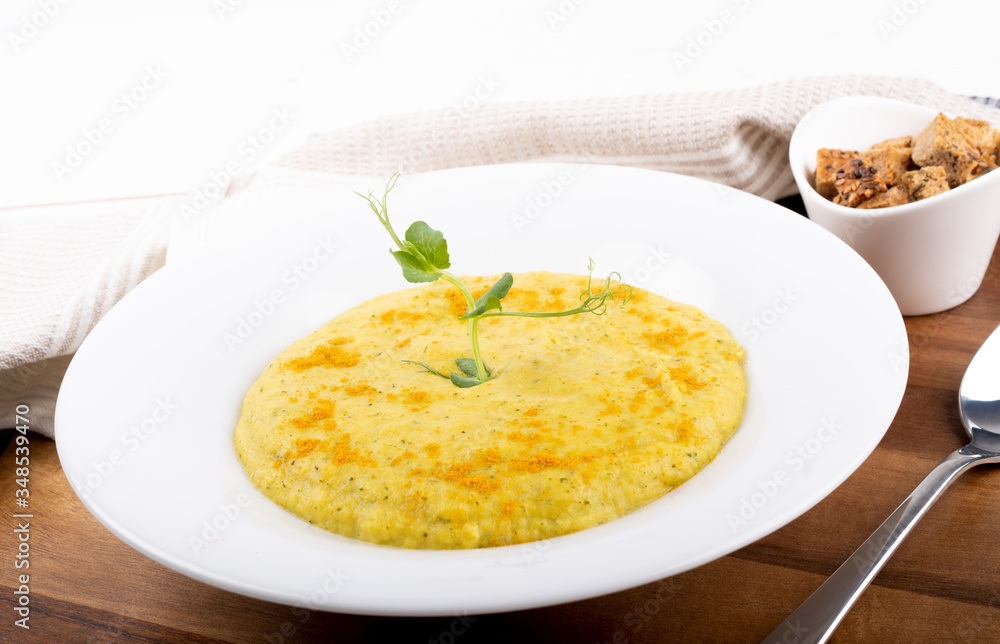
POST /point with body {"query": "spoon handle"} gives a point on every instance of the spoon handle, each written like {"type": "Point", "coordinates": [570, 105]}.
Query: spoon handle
{"type": "Point", "coordinates": [818, 616]}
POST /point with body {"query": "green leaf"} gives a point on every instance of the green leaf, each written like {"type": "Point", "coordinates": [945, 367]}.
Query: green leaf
{"type": "Point", "coordinates": [490, 300]}
{"type": "Point", "coordinates": [498, 290]}
{"type": "Point", "coordinates": [464, 381]}
{"type": "Point", "coordinates": [468, 367]}
{"type": "Point", "coordinates": [414, 270]}
{"type": "Point", "coordinates": [429, 243]}
{"type": "Point", "coordinates": [491, 303]}
{"type": "Point", "coordinates": [423, 257]}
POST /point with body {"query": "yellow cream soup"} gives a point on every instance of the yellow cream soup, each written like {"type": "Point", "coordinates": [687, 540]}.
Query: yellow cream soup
{"type": "Point", "coordinates": [586, 417]}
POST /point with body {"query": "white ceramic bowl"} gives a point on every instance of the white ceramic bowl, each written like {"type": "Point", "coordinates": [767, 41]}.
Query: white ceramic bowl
{"type": "Point", "coordinates": [932, 254]}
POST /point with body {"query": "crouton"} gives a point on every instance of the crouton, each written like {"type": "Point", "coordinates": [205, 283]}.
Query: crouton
{"type": "Point", "coordinates": [891, 158]}
{"type": "Point", "coordinates": [828, 161]}
{"type": "Point", "coordinates": [985, 138]}
{"type": "Point", "coordinates": [894, 196]}
{"type": "Point", "coordinates": [899, 142]}
{"type": "Point", "coordinates": [857, 180]}
{"type": "Point", "coordinates": [965, 148]}
{"type": "Point", "coordinates": [925, 182]}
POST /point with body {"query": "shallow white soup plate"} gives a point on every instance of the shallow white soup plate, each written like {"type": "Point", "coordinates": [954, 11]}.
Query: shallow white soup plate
{"type": "Point", "coordinates": [146, 414]}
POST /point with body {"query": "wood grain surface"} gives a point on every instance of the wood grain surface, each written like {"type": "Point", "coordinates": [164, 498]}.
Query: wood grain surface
{"type": "Point", "coordinates": [942, 585]}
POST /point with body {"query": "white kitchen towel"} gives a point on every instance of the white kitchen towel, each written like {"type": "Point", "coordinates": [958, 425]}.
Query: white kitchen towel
{"type": "Point", "coordinates": [60, 274]}
{"type": "Point", "coordinates": [738, 137]}
{"type": "Point", "coordinates": [61, 270]}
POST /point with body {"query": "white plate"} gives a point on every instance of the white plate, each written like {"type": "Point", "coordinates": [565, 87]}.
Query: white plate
{"type": "Point", "coordinates": [146, 414]}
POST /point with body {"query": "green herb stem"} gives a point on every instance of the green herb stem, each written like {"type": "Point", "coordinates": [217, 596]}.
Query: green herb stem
{"type": "Point", "coordinates": [474, 334]}
{"type": "Point", "coordinates": [473, 323]}
{"type": "Point", "coordinates": [451, 279]}
{"type": "Point", "coordinates": [423, 257]}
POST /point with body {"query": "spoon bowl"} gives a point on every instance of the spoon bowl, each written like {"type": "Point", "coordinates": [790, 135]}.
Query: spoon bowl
{"type": "Point", "coordinates": [979, 406]}
{"type": "Point", "coordinates": [979, 396]}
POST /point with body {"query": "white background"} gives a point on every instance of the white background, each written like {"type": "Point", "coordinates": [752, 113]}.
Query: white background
{"type": "Point", "coordinates": [228, 64]}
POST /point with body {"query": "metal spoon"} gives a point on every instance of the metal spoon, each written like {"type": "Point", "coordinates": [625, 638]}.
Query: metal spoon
{"type": "Point", "coordinates": [979, 405]}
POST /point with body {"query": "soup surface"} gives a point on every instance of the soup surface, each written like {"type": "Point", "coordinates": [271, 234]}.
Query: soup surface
{"type": "Point", "coordinates": [586, 417]}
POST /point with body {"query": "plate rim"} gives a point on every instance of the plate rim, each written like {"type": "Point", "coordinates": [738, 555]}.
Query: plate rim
{"type": "Point", "coordinates": [535, 169]}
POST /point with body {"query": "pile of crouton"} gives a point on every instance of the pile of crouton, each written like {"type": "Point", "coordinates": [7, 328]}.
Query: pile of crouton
{"type": "Point", "coordinates": [948, 153]}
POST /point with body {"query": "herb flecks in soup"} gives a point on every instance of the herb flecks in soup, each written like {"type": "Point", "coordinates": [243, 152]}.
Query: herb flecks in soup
{"type": "Point", "coordinates": [582, 419]}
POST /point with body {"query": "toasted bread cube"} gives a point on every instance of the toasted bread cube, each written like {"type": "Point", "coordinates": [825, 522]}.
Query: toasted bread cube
{"type": "Point", "coordinates": [846, 176]}
{"type": "Point", "coordinates": [857, 180]}
{"type": "Point", "coordinates": [894, 196]}
{"type": "Point", "coordinates": [899, 142]}
{"type": "Point", "coordinates": [965, 148]}
{"type": "Point", "coordinates": [984, 137]}
{"type": "Point", "coordinates": [925, 182]}
{"type": "Point", "coordinates": [891, 158]}
{"type": "Point", "coordinates": [828, 161]}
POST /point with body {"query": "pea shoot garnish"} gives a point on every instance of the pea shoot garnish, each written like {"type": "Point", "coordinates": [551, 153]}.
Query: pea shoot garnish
{"type": "Point", "coordinates": [423, 257]}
